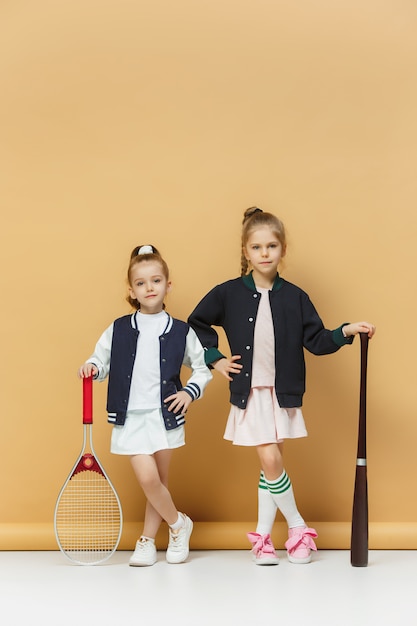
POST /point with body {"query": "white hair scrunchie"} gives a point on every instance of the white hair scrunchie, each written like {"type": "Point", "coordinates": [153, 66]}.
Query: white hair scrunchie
{"type": "Point", "coordinates": [145, 250]}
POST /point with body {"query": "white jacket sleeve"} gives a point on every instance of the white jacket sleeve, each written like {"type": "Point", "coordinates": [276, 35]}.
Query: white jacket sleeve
{"type": "Point", "coordinates": [101, 355]}
{"type": "Point", "coordinates": [194, 358]}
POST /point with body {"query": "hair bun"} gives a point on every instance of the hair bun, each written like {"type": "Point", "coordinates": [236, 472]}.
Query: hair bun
{"type": "Point", "coordinates": [251, 211]}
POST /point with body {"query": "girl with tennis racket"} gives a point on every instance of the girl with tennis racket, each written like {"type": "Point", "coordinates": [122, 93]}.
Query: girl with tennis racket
{"type": "Point", "coordinates": [142, 355]}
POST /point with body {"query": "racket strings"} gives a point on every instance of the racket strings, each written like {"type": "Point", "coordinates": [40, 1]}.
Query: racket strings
{"type": "Point", "coordinates": [88, 517]}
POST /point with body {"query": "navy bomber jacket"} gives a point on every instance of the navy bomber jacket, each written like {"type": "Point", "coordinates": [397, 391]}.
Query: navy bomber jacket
{"type": "Point", "coordinates": [115, 354]}
{"type": "Point", "coordinates": [233, 305]}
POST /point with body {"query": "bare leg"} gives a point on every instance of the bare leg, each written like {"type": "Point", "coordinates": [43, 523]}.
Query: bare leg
{"type": "Point", "coordinates": [152, 518]}
{"type": "Point", "coordinates": [270, 456]}
{"type": "Point", "coordinates": [152, 474]}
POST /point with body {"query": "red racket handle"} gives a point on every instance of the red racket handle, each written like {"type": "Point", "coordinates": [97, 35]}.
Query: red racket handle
{"type": "Point", "coordinates": [88, 400]}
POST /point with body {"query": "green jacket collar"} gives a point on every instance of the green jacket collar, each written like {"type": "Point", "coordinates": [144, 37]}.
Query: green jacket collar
{"type": "Point", "coordinates": [249, 282]}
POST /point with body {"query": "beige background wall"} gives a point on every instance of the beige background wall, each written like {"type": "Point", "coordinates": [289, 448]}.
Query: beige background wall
{"type": "Point", "coordinates": [127, 122]}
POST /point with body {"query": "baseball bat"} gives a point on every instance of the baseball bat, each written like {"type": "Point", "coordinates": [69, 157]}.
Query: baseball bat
{"type": "Point", "coordinates": [359, 535]}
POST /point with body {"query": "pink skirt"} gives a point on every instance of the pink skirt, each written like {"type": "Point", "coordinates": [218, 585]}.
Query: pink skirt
{"type": "Point", "coordinates": [263, 421]}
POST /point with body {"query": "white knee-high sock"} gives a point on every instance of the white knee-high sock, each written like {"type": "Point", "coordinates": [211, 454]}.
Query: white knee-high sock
{"type": "Point", "coordinates": [283, 495]}
{"type": "Point", "coordinates": [267, 509]}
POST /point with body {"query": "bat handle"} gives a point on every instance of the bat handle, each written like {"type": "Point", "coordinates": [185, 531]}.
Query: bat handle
{"type": "Point", "coordinates": [362, 399]}
{"type": "Point", "coordinates": [364, 351]}
{"type": "Point", "coordinates": [88, 400]}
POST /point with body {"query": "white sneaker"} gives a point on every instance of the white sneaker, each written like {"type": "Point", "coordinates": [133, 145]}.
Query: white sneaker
{"type": "Point", "coordinates": [178, 546]}
{"type": "Point", "coordinates": [144, 554]}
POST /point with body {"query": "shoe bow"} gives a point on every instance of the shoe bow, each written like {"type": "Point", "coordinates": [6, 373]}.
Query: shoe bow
{"type": "Point", "coordinates": [261, 542]}
{"type": "Point", "coordinates": [304, 536]}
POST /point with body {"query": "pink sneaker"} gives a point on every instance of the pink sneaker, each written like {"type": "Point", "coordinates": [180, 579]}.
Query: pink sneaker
{"type": "Point", "coordinates": [263, 552]}
{"type": "Point", "coordinates": [300, 543]}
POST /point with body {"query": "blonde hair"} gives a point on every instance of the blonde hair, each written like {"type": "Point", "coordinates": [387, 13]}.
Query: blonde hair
{"type": "Point", "coordinates": [253, 219]}
{"type": "Point", "coordinates": [139, 255]}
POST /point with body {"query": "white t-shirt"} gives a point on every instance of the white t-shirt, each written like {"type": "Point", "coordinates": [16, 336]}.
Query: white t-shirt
{"type": "Point", "coordinates": [145, 390]}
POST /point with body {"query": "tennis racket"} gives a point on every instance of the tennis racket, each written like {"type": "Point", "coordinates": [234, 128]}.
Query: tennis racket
{"type": "Point", "coordinates": [88, 515]}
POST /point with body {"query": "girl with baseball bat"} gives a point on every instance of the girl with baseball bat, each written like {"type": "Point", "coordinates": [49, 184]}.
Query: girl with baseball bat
{"type": "Point", "coordinates": [268, 323]}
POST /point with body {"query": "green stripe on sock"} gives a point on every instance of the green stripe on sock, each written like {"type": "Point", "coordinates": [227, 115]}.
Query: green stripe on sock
{"type": "Point", "coordinates": [279, 486]}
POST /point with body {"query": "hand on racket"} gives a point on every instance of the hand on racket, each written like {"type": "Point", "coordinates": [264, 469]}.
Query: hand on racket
{"type": "Point", "coordinates": [87, 370]}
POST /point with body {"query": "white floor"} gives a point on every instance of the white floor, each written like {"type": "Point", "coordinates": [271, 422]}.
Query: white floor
{"type": "Point", "coordinates": [211, 588]}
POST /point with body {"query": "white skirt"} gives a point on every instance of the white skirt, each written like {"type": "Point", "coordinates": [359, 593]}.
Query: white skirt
{"type": "Point", "coordinates": [263, 420]}
{"type": "Point", "coordinates": [144, 432]}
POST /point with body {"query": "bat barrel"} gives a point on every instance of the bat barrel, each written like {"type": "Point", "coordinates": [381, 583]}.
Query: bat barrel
{"type": "Point", "coordinates": [359, 537]}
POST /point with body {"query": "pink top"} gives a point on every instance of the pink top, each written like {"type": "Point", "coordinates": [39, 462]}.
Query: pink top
{"type": "Point", "coordinates": [263, 366]}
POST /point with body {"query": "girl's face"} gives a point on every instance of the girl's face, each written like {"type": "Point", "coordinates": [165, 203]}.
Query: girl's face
{"type": "Point", "coordinates": [149, 286]}
{"type": "Point", "coordinates": [264, 251]}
